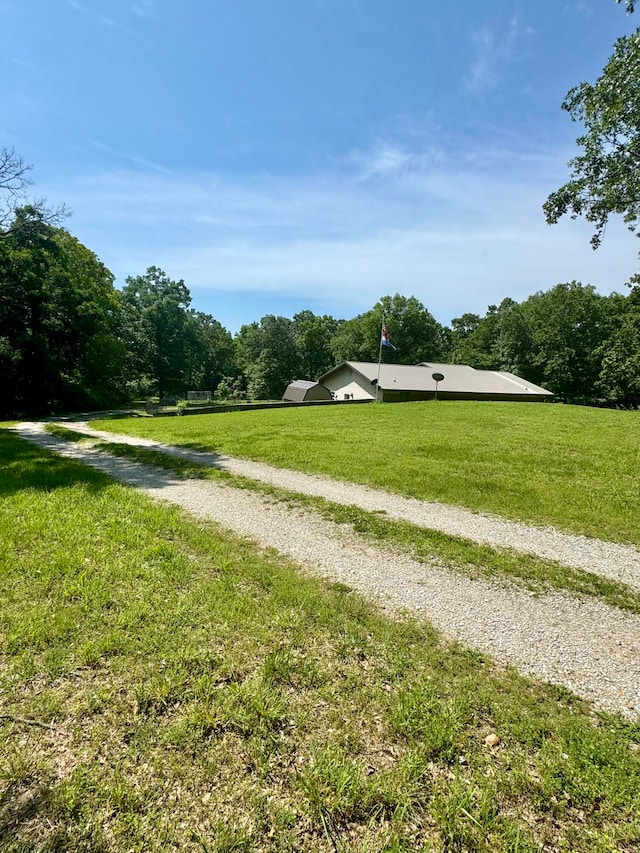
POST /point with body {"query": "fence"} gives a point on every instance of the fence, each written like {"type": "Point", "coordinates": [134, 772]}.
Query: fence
{"type": "Point", "coordinates": [199, 396]}
{"type": "Point", "coordinates": [246, 407]}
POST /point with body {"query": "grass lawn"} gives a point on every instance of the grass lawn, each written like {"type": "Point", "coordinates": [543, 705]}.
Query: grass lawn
{"type": "Point", "coordinates": [575, 468]}
{"type": "Point", "coordinates": [165, 686]}
{"type": "Point", "coordinates": [457, 554]}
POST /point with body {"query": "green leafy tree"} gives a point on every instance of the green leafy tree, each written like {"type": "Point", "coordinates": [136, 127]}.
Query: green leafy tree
{"type": "Point", "coordinates": [357, 339]}
{"type": "Point", "coordinates": [476, 341]}
{"type": "Point", "coordinates": [605, 177]}
{"type": "Point", "coordinates": [210, 352]}
{"type": "Point", "coordinates": [313, 337]}
{"type": "Point", "coordinates": [464, 326]}
{"type": "Point", "coordinates": [58, 319]}
{"type": "Point", "coordinates": [157, 333]}
{"type": "Point", "coordinates": [513, 346]}
{"type": "Point", "coordinates": [266, 352]}
{"type": "Point", "coordinates": [230, 388]}
{"type": "Point", "coordinates": [412, 330]}
{"type": "Point", "coordinates": [556, 338]}
{"type": "Point", "coordinates": [620, 374]}
{"type": "Point", "coordinates": [569, 326]}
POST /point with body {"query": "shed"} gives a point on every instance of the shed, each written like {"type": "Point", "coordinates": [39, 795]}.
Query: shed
{"type": "Point", "coordinates": [305, 391]}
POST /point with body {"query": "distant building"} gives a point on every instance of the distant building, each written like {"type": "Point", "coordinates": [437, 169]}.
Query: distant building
{"type": "Point", "coordinates": [357, 380]}
{"type": "Point", "coordinates": [304, 391]}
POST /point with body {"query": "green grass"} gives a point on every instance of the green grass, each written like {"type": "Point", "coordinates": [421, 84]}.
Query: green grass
{"type": "Point", "coordinates": [429, 546]}
{"type": "Point", "coordinates": [571, 467]}
{"type": "Point", "coordinates": [165, 686]}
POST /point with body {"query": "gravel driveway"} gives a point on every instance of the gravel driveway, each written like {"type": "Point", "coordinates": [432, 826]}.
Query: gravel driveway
{"type": "Point", "coordinates": [581, 643]}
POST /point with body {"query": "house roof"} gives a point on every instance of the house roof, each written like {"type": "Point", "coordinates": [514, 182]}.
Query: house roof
{"type": "Point", "coordinates": [458, 378]}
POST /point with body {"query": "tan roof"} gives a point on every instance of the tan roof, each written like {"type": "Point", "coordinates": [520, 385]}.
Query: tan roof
{"type": "Point", "coordinates": [458, 378]}
{"type": "Point", "coordinates": [490, 381]}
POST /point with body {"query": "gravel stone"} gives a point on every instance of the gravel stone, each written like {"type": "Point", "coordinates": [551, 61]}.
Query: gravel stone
{"type": "Point", "coordinates": [579, 642]}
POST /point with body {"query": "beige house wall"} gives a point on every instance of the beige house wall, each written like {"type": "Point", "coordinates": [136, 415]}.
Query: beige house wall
{"type": "Point", "coordinates": [347, 382]}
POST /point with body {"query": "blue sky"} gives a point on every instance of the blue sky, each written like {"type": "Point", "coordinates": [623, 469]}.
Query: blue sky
{"type": "Point", "coordinates": [287, 154]}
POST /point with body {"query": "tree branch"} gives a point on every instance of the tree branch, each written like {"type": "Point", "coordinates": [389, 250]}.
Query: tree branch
{"type": "Point", "coordinates": [13, 172]}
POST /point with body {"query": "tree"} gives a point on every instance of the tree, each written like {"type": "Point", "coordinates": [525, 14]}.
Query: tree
{"type": "Point", "coordinates": [605, 178]}
{"type": "Point", "coordinates": [58, 316]}
{"type": "Point", "coordinates": [464, 326]}
{"type": "Point", "coordinates": [620, 374]}
{"type": "Point", "coordinates": [211, 353]}
{"type": "Point", "coordinates": [14, 182]}
{"type": "Point", "coordinates": [568, 326]}
{"type": "Point", "coordinates": [357, 339]}
{"type": "Point", "coordinates": [412, 330]}
{"type": "Point", "coordinates": [313, 337]}
{"type": "Point", "coordinates": [514, 344]}
{"type": "Point", "coordinates": [475, 340]}
{"type": "Point", "coordinates": [266, 352]}
{"type": "Point", "coordinates": [156, 332]}
{"type": "Point", "coordinates": [57, 305]}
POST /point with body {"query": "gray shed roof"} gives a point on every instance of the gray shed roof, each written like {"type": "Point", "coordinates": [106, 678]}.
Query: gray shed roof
{"type": "Point", "coordinates": [304, 384]}
{"type": "Point", "coordinates": [301, 390]}
{"type": "Point", "coordinates": [458, 378]}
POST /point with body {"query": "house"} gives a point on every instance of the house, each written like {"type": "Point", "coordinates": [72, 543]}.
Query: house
{"type": "Point", "coordinates": [303, 391]}
{"type": "Point", "coordinates": [358, 380]}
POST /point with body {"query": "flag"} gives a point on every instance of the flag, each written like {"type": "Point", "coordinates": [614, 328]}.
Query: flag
{"type": "Point", "coordinates": [385, 338]}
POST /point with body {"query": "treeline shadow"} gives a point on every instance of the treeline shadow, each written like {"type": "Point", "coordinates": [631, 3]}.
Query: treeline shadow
{"type": "Point", "coordinates": [23, 465]}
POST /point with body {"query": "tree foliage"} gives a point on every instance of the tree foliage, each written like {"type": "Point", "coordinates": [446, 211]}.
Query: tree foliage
{"type": "Point", "coordinates": [267, 354]}
{"type": "Point", "coordinates": [156, 332]}
{"type": "Point", "coordinates": [619, 379]}
{"type": "Point", "coordinates": [412, 330]}
{"type": "Point", "coordinates": [605, 177]}
{"type": "Point", "coordinates": [569, 339]}
{"type": "Point", "coordinates": [69, 339]}
{"type": "Point", "coordinates": [313, 336]}
{"type": "Point", "coordinates": [210, 352]}
{"type": "Point", "coordinates": [58, 317]}
{"type": "Point", "coordinates": [567, 328]}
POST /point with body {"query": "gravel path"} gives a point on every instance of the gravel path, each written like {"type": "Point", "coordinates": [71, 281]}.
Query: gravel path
{"type": "Point", "coordinates": [606, 559]}
{"type": "Point", "coordinates": [590, 647]}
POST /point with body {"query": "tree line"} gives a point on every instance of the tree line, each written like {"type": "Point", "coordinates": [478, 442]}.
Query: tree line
{"type": "Point", "coordinates": [70, 340]}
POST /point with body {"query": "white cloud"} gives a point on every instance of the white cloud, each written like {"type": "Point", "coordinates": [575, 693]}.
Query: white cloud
{"type": "Point", "coordinates": [386, 160]}
{"type": "Point", "coordinates": [124, 156]}
{"type": "Point", "coordinates": [115, 25]}
{"type": "Point", "coordinates": [390, 160]}
{"type": "Point", "coordinates": [584, 8]}
{"type": "Point", "coordinates": [458, 238]}
{"type": "Point", "coordinates": [147, 9]}
{"type": "Point", "coordinates": [493, 50]}
{"type": "Point", "coordinates": [142, 9]}
{"type": "Point", "coordinates": [481, 73]}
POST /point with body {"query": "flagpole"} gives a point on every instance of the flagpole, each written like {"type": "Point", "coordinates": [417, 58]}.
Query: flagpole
{"type": "Point", "coordinates": [379, 358]}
